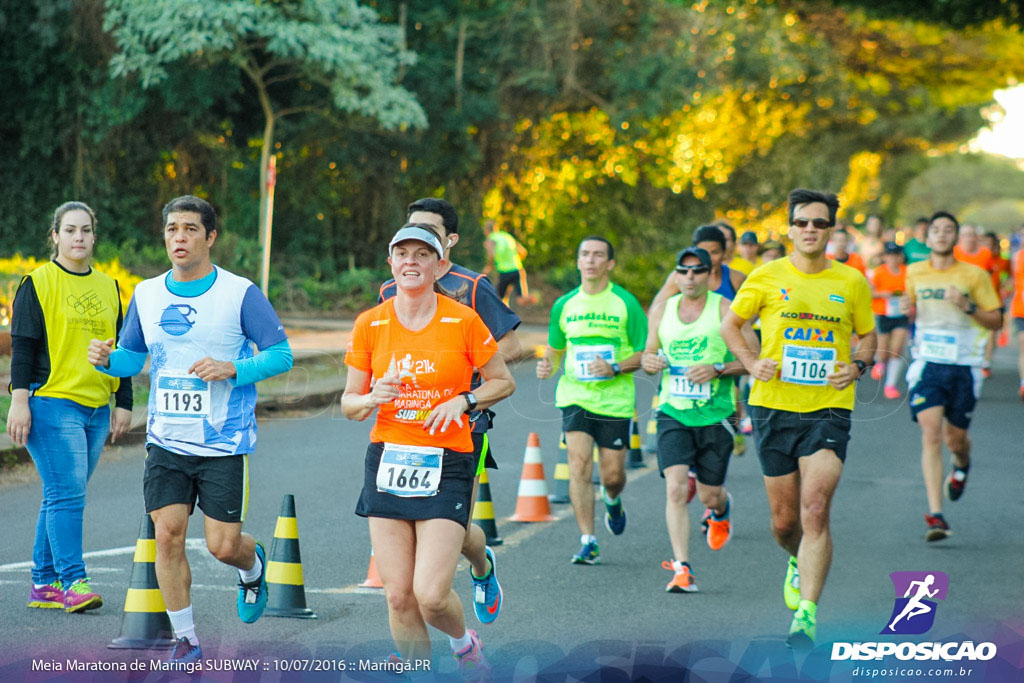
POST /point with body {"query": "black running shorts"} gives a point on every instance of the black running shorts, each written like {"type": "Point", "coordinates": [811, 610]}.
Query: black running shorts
{"type": "Point", "coordinates": [219, 483]}
{"type": "Point", "coordinates": [608, 432]}
{"type": "Point", "coordinates": [783, 437]}
{"type": "Point", "coordinates": [706, 449]}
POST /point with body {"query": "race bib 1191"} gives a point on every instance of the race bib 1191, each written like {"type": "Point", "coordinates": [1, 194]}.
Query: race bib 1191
{"type": "Point", "coordinates": [681, 387]}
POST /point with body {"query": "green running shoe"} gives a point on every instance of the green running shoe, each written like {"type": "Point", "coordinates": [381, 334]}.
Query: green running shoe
{"type": "Point", "coordinates": [802, 631]}
{"type": "Point", "coordinates": [791, 588]}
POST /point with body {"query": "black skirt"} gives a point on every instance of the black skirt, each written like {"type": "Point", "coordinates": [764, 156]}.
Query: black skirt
{"type": "Point", "coordinates": [452, 500]}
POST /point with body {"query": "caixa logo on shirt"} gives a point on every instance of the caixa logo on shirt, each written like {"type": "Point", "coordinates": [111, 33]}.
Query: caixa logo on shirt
{"type": "Point", "coordinates": [177, 319]}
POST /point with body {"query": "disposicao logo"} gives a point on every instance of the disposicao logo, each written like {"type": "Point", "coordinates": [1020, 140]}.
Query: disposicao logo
{"type": "Point", "coordinates": [914, 613]}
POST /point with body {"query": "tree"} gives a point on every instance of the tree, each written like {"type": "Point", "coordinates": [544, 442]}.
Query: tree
{"type": "Point", "coordinates": [298, 55]}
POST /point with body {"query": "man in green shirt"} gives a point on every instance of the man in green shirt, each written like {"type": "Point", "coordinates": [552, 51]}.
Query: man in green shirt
{"type": "Point", "coordinates": [505, 255]}
{"type": "Point", "coordinates": [697, 382]}
{"type": "Point", "coordinates": [915, 249]}
{"type": "Point", "coordinates": [600, 329]}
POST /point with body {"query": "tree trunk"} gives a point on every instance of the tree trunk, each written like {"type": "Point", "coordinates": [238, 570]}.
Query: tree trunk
{"type": "Point", "coordinates": [460, 54]}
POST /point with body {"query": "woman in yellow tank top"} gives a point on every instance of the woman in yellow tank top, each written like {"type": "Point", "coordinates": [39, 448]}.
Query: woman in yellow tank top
{"type": "Point", "coordinates": [60, 404]}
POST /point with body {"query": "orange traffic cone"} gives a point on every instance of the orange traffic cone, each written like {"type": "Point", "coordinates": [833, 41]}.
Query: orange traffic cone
{"type": "Point", "coordinates": [372, 577]}
{"type": "Point", "coordinates": [532, 503]}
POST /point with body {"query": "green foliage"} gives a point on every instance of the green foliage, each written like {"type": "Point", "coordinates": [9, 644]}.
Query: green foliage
{"type": "Point", "coordinates": [961, 182]}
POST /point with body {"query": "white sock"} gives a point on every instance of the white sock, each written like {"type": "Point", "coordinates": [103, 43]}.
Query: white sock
{"type": "Point", "coordinates": [252, 575]}
{"type": "Point", "coordinates": [460, 644]}
{"type": "Point", "coordinates": [607, 500]}
{"type": "Point", "coordinates": [677, 566]}
{"type": "Point", "coordinates": [587, 538]}
{"type": "Point", "coordinates": [184, 627]}
{"type": "Point", "coordinates": [892, 372]}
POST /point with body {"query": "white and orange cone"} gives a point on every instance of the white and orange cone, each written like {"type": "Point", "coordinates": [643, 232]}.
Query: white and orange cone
{"type": "Point", "coordinates": [532, 503]}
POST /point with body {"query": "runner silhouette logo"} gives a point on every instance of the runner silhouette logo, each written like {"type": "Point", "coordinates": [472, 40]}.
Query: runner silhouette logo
{"type": "Point", "coordinates": [916, 592]}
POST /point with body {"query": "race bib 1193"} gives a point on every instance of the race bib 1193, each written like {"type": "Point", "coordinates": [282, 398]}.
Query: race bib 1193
{"type": "Point", "coordinates": [179, 394]}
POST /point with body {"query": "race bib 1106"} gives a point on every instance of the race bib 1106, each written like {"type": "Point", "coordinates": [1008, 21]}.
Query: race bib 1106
{"type": "Point", "coordinates": [808, 365]}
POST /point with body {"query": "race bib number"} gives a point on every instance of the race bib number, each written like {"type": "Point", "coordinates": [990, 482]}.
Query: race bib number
{"type": "Point", "coordinates": [939, 347]}
{"type": "Point", "coordinates": [892, 307]}
{"type": "Point", "coordinates": [583, 355]}
{"type": "Point", "coordinates": [807, 364]}
{"type": "Point", "coordinates": [182, 395]}
{"type": "Point", "coordinates": [680, 387]}
{"type": "Point", "coordinates": [409, 471]}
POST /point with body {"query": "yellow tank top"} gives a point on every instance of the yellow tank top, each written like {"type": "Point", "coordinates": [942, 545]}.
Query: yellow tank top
{"type": "Point", "coordinates": [76, 309]}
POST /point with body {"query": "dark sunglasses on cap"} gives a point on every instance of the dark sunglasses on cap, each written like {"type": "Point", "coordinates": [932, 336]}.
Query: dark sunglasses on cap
{"type": "Point", "coordinates": [819, 223]}
{"type": "Point", "coordinates": [696, 270]}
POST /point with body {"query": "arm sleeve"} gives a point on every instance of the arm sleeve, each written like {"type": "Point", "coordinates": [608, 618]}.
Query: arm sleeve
{"type": "Point", "coordinates": [556, 335]}
{"type": "Point", "coordinates": [636, 324]}
{"type": "Point", "coordinates": [358, 353]}
{"type": "Point", "coordinates": [481, 344]}
{"type": "Point", "coordinates": [124, 397]}
{"type": "Point", "coordinates": [271, 361]}
{"type": "Point", "coordinates": [124, 363]}
{"type": "Point", "coordinates": [260, 323]}
{"type": "Point", "coordinates": [131, 337]}
{"type": "Point", "coordinates": [749, 299]}
{"type": "Point", "coordinates": [863, 314]}
{"type": "Point", "coordinates": [499, 318]}
{"type": "Point", "coordinates": [27, 333]}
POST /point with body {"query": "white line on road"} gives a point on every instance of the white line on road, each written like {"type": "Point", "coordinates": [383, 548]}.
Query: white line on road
{"type": "Point", "coordinates": [190, 544]}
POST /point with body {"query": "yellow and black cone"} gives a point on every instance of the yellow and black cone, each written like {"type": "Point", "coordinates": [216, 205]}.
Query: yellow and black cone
{"type": "Point", "coordinates": [145, 624]}
{"type": "Point", "coordinates": [483, 511]}
{"type": "Point", "coordinates": [596, 477]}
{"type": "Point", "coordinates": [650, 444]}
{"type": "Point", "coordinates": [287, 598]}
{"type": "Point", "coordinates": [635, 457]}
{"type": "Point", "coordinates": [561, 494]}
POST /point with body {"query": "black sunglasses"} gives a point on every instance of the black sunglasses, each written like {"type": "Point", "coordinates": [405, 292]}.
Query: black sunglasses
{"type": "Point", "coordinates": [696, 270]}
{"type": "Point", "coordinates": [819, 223]}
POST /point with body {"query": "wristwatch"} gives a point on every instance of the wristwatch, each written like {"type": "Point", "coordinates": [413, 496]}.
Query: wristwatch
{"type": "Point", "coordinates": [862, 366]}
{"type": "Point", "coordinates": [971, 308]}
{"type": "Point", "coordinates": [719, 368]}
{"type": "Point", "coordinates": [470, 400]}
{"type": "Point", "coordinates": [616, 369]}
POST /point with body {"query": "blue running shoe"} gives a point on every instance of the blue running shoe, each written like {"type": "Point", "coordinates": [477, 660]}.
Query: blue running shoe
{"type": "Point", "coordinates": [252, 597]}
{"type": "Point", "coordinates": [184, 652]}
{"type": "Point", "coordinates": [615, 517]}
{"type": "Point", "coordinates": [587, 554]}
{"type": "Point", "coordinates": [487, 594]}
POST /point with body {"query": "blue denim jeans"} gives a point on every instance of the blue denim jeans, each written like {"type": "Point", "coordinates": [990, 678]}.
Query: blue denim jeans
{"type": "Point", "coordinates": [65, 441]}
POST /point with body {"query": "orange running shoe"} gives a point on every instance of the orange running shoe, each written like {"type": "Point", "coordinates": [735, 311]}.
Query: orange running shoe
{"type": "Point", "coordinates": [682, 581]}
{"type": "Point", "coordinates": [891, 392]}
{"type": "Point", "coordinates": [719, 530]}
{"type": "Point", "coordinates": [878, 371]}
{"type": "Point", "coordinates": [986, 373]}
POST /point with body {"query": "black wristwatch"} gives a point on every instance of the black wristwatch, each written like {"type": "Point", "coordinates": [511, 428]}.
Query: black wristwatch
{"type": "Point", "coordinates": [470, 400]}
{"type": "Point", "coordinates": [971, 308]}
{"type": "Point", "coordinates": [719, 368]}
{"type": "Point", "coordinates": [616, 369]}
{"type": "Point", "coordinates": [862, 366]}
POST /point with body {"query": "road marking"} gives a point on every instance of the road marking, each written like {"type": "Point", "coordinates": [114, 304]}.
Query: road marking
{"type": "Point", "coordinates": [190, 544]}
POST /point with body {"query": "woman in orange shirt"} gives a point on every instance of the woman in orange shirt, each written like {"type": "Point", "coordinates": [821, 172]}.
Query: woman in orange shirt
{"type": "Point", "coordinates": [888, 282]}
{"type": "Point", "coordinates": [1017, 312]}
{"type": "Point", "coordinates": [411, 358]}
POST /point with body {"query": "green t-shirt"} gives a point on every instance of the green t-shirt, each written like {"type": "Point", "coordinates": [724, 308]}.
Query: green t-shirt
{"type": "Point", "coordinates": [506, 255]}
{"type": "Point", "coordinates": [610, 324]}
{"type": "Point", "coordinates": [915, 251]}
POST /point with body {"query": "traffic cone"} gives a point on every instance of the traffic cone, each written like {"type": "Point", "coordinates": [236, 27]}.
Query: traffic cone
{"type": "Point", "coordinates": [372, 577]}
{"type": "Point", "coordinates": [650, 444]}
{"type": "Point", "coordinates": [284, 568]}
{"type": "Point", "coordinates": [595, 478]}
{"type": "Point", "coordinates": [483, 511]}
{"type": "Point", "coordinates": [561, 494]}
{"type": "Point", "coordinates": [532, 502]}
{"type": "Point", "coordinates": [145, 624]}
{"type": "Point", "coordinates": [635, 458]}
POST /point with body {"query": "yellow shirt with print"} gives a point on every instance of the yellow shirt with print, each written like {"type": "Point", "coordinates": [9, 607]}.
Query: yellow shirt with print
{"type": "Point", "coordinates": [800, 310]}
{"type": "Point", "coordinates": [743, 265]}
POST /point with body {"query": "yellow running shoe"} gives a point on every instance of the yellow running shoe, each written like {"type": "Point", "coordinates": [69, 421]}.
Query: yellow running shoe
{"type": "Point", "coordinates": [802, 631]}
{"type": "Point", "coordinates": [791, 588]}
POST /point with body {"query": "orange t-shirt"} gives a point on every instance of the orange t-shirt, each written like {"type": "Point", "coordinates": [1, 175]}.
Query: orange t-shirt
{"type": "Point", "coordinates": [1017, 303]}
{"type": "Point", "coordinates": [1000, 265]}
{"type": "Point", "coordinates": [981, 258]}
{"type": "Point", "coordinates": [853, 260]}
{"type": "Point", "coordinates": [887, 285]}
{"type": "Point", "coordinates": [434, 364]}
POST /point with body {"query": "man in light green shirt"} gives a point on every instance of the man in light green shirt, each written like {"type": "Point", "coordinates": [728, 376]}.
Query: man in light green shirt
{"type": "Point", "coordinates": [600, 330]}
{"type": "Point", "coordinates": [505, 255]}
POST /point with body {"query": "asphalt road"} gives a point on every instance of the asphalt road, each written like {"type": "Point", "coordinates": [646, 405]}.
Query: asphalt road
{"type": "Point", "coordinates": [559, 619]}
